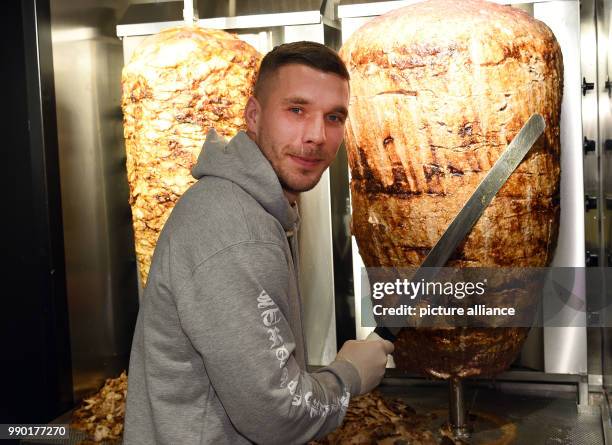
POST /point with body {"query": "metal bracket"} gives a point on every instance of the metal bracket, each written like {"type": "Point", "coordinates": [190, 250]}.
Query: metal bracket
{"type": "Point", "coordinates": [593, 318]}
{"type": "Point", "coordinates": [586, 86]}
{"type": "Point", "coordinates": [329, 9]}
{"type": "Point", "coordinates": [588, 145]}
{"type": "Point", "coordinates": [591, 259]}
{"type": "Point", "coordinates": [583, 395]}
{"type": "Point", "coordinates": [590, 202]}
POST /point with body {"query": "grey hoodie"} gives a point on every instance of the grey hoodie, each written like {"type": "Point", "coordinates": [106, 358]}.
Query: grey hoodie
{"type": "Point", "coordinates": [218, 355]}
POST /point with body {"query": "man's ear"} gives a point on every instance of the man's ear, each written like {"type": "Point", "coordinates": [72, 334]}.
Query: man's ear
{"type": "Point", "coordinates": [251, 114]}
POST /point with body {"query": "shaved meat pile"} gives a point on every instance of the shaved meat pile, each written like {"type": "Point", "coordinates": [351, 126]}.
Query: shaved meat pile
{"type": "Point", "coordinates": [371, 420]}
{"type": "Point", "coordinates": [101, 415]}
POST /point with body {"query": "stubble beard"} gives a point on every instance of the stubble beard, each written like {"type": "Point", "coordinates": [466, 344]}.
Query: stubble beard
{"type": "Point", "coordinates": [291, 187]}
{"type": "Point", "coordinates": [284, 177]}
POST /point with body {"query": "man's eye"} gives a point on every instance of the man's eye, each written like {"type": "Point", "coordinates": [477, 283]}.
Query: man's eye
{"type": "Point", "coordinates": [296, 110]}
{"type": "Point", "coordinates": [335, 118]}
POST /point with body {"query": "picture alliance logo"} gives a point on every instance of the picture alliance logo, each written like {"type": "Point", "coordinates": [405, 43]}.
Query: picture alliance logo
{"type": "Point", "coordinates": [414, 289]}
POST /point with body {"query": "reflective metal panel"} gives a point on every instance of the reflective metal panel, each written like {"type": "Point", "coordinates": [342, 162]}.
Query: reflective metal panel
{"type": "Point", "coordinates": [565, 349]}
{"type": "Point", "coordinates": [100, 263]}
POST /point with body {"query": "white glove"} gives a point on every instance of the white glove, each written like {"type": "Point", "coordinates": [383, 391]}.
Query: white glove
{"type": "Point", "coordinates": [374, 336]}
{"type": "Point", "coordinates": [369, 357]}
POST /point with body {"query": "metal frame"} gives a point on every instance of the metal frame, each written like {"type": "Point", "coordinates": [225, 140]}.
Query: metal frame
{"type": "Point", "coordinates": [146, 19]}
{"type": "Point", "coordinates": [597, 113]}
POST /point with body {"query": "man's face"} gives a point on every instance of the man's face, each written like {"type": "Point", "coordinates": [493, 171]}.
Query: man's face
{"type": "Point", "coordinates": [298, 123]}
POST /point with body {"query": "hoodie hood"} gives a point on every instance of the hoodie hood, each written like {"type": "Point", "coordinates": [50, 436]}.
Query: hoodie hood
{"type": "Point", "coordinates": [241, 161]}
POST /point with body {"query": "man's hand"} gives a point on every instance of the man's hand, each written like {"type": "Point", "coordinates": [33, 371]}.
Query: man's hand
{"type": "Point", "coordinates": [370, 359]}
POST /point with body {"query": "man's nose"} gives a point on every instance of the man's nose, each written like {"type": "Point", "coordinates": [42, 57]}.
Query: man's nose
{"type": "Point", "coordinates": [314, 133]}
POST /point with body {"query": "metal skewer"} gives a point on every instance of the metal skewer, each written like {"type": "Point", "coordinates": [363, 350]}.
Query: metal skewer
{"type": "Point", "coordinates": [458, 414]}
{"type": "Point", "coordinates": [190, 14]}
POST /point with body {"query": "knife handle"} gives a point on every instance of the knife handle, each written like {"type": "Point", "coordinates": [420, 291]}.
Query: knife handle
{"type": "Point", "coordinates": [382, 332]}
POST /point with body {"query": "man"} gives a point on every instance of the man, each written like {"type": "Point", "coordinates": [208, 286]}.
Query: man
{"type": "Point", "coordinates": [218, 354]}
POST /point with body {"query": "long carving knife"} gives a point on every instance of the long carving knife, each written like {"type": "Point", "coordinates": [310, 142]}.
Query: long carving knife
{"type": "Point", "coordinates": [474, 207]}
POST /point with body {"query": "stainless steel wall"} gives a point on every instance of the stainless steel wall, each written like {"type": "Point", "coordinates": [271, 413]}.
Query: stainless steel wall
{"type": "Point", "coordinates": [100, 267]}
{"type": "Point", "coordinates": [565, 349]}
{"type": "Point", "coordinates": [597, 124]}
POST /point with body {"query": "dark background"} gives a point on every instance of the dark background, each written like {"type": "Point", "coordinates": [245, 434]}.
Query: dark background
{"type": "Point", "coordinates": [35, 365]}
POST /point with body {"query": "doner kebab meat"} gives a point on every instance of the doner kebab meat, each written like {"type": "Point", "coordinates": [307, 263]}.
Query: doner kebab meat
{"type": "Point", "coordinates": [178, 84]}
{"type": "Point", "coordinates": [438, 91]}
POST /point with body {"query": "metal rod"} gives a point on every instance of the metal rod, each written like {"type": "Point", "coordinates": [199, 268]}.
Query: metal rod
{"type": "Point", "coordinates": [458, 413]}
{"type": "Point", "coordinates": [583, 392]}
{"type": "Point", "coordinates": [606, 420]}
{"type": "Point", "coordinates": [190, 14]}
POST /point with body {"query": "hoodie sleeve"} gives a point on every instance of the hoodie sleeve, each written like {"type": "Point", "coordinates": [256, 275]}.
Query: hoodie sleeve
{"type": "Point", "coordinates": [232, 312]}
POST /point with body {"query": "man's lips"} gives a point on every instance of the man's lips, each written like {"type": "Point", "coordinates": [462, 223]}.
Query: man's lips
{"type": "Point", "coordinates": [305, 161]}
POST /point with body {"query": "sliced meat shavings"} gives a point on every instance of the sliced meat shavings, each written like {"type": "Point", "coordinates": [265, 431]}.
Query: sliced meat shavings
{"type": "Point", "coordinates": [371, 420]}
{"type": "Point", "coordinates": [101, 416]}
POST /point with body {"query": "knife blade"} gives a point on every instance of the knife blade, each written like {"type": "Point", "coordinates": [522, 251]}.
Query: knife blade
{"type": "Point", "coordinates": [474, 207]}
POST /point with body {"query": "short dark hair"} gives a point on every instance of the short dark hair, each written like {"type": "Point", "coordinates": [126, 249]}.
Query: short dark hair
{"type": "Point", "coordinates": [312, 54]}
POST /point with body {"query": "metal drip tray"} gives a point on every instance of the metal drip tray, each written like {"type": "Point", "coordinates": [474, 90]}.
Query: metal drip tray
{"type": "Point", "coordinates": [509, 414]}
{"type": "Point", "coordinates": [523, 415]}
